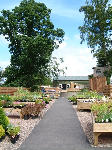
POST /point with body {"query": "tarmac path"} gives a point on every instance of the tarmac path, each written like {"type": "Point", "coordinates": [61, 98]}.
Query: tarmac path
{"type": "Point", "coordinates": [59, 129]}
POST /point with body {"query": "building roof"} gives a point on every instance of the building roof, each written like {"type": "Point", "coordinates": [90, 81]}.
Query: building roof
{"type": "Point", "coordinates": [72, 78]}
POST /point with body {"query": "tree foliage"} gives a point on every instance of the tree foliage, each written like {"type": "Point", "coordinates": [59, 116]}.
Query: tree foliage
{"type": "Point", "coordinates": [0, 73]}
{"type": "Point", "coordinates": [32, 38]}
{"type": "Point", "coordinates": [96, 29]}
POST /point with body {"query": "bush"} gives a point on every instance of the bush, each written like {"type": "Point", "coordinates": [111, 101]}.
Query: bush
{"type": "Point", "coordinates": [25, 95]}
{"type": "Point", "coordinates": [102, 112]}
{"type": "Point", "coordinates": [31, 110]}
{"type": "Point", "coordinates": [46, 100]}
{"type": "Point", "coordinates": [38, 101]}
{"type": "Point", "coordinates": [5, 101]}
{"type": "Point", "coordinates": [2, 131]}
{"type": "Point", "coordinates": [12, 130]}
{"type": "Point", "coordinates": [4, 121]}
{"type": "Point", "coordinates": [73, 99]}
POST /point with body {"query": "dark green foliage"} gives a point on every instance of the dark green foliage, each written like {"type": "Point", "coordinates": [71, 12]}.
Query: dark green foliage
{"type": "Point", "coordinates": [1, 76]}
{"type": "Point", "coordinates": [6, 101]}
{"type": "Point", "coordinates": [4, 121]}
{"type": "Point", "coordinates": [0, 73]}
{"type": "Point", "coordinates": [2, 131]}
{"type": "Point", "coordinates": [32, 40]}
{"type": "Point", "coordinates": [97, 30]}
{"type": "Point", "coordinates": [73, 99]}
{"type": "Point", "coordinates": [12, 130]}
{"type": "Point", "coordinates": [46, 100]}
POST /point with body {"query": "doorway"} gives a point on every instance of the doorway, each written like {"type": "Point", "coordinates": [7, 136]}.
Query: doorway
{"type": "Point", "coordinates": [63, 86]}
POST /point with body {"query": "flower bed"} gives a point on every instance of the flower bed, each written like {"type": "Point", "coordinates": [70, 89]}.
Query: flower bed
{"type": "Point", "coordinates": [85, 99]}
{"type": "Point", "coordinates": [102, 119]}
{"type": "Point", "coordinates": [26, 128]}
{"type": "Point", "coordinates": [85, 118]}
{"type": "Point", "coordinates": [23, 104]}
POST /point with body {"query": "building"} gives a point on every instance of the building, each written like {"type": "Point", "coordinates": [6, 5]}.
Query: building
{"type": "Point", "coordinates": [71, 82]}
{"type": "Point", "coordinates": [99, 71]}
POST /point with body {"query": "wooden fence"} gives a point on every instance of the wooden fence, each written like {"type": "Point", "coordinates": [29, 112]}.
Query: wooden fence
{"type": "Point", "coordinates": [107, 90]}
{"type": "Point", "coordinates": [8, 90]}
{"type": "Point", "coordinates": [97, 83]}
{"type": "Point", "coordinates": [53, 91]}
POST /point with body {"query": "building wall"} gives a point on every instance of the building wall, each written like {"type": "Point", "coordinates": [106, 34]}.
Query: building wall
{"type": "Point", "coordinates": [99, 71]}
{"type": "Point", "coordinates": [80, 84]}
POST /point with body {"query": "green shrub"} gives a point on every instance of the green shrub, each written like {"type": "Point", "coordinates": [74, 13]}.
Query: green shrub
{"type": "Point", "coordinates": [38, 101]}
{"type": "Point", "coordinates": [73, 99]}
{"type": "Point", "coordinates": [46, 100]}
{"type": "Point", "coordinates": [25, 95]}
{"type": "Point", "coordinates": [12, 130]}
{"type": "Point", "coordinates": [102, 112]}
{"type": "Point", "coordinates": [2, 131]}
{"type": "Point", "coordinates": [6, 100]}
{"type": "Point", "coordinates": [4, 121]}
{"type": "Point", "coordinates": [1, 103]}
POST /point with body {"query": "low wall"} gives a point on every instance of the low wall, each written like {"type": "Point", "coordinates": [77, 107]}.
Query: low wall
{"type": "Point", "coordinates": [67, 94]}
{"type": "Point", "coordinates": [9, 90]}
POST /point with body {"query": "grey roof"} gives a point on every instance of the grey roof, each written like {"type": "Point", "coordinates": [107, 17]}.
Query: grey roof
{"type": "Point", "coordinates": [72, 78]}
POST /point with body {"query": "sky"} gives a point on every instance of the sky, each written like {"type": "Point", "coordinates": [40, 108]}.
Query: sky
{"type": "Point", "coordinates": [65, 14]}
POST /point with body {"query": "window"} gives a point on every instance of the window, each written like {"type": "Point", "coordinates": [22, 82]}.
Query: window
{"type": "Point", "coordinates": [74, 86]}
{"type": "Point", "coordinates": [98, 71]}
{"type": "Point", "coordinates": [68, 85]}
{"type": "Point", "coordinates": [60, 86]}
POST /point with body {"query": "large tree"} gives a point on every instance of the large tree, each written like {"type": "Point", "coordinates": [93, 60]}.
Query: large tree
{"type": "Point", "coordinates": [0, 73]}
{"type": "Point", "coordinates": [32, 38]}
{"type": "Point", "coordinates": [96, 29]}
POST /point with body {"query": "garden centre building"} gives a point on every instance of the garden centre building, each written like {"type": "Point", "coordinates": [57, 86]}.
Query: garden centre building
{"type": "Point", "coordinates": [66, 82]}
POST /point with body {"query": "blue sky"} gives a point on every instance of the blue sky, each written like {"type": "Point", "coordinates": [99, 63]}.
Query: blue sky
{"type": "Point", "coordinates": [65, 14]}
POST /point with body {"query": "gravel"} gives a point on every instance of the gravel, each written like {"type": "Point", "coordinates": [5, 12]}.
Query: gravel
{"type": "Point", "coordinates": [26, 128]}
{"type": "Point", "coordinates": [85, 118]}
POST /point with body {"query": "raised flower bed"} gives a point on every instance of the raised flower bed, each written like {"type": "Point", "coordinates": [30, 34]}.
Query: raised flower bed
{"type": "Point", "coordinates": [85, 99]}
{"type": "Point", "coordinates": [84, 104]}
{"type": "Point", "coordinates": [102, 119]}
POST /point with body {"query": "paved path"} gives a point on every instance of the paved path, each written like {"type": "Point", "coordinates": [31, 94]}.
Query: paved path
{"type": "Point", "coordinates": [58, 130]}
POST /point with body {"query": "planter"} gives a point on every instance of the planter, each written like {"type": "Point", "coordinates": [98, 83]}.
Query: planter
{"type": "Point", "coordinates": [13, 139]}
{"type": "Point", "coordinates": [83, 105]}
{"type": "Point", "coordinates": [99, 128]}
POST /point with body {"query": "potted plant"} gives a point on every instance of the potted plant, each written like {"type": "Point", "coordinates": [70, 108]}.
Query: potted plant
{"type": "Point", "coordinates": [13, 133]}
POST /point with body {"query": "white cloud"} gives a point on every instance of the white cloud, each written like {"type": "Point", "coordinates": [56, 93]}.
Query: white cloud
{"type": "Point", "coordinates": [66, 37]}
{"type": "Point", "coordinates": [77, 36]}
{"type": "Point", "coordinates": [11, 4]}
{"type": "Point", "coordinates": [78, 60]}
{"type": "Point", "coordinates": [70, 13]}
{"type": "Point", "coordinates": [62, 45]}
{"type": "Point", "coordinates": [4, 64]}
{"type": "Point", "coordinates": [3, 41]}
{"type": "Point", "coordinates": [61, 10]}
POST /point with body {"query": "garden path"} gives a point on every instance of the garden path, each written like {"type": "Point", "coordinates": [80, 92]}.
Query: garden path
{"type": "Point", "coordinates": [59, 129]}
